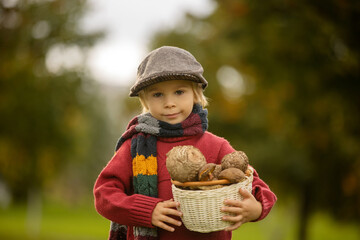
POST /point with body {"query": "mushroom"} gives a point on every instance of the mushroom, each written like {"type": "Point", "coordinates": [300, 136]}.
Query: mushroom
{"type": "Point", "coordinates": [237, 159]}
{"type": "Point", "coordinates": [217, 171]}
{"type": "Point", "coordinates": [206, 172]}
{"type": "Point", "coordinates": [233, 175]}
{"type": "Point", "coordinates": [209, 171]}
{"type": "Point", "coordinates": [184, 163]}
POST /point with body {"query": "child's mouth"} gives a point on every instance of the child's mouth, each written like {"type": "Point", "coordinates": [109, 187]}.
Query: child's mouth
{"type": "Point", "coordinates": [174, 115]}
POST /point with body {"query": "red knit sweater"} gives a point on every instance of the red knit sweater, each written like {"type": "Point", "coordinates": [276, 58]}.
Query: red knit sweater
{"type": "Point", "coordinates": [114, 198]}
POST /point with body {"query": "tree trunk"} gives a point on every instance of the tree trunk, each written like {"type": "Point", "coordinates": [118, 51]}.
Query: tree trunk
{"type": "Point", "coordinates": [34, 213]}
{"type": "Point", "coordinates": [304, 211]}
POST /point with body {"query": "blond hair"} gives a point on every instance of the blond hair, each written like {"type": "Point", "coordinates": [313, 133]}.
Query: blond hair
{"type": "Point", "coordinates": [198, 91]}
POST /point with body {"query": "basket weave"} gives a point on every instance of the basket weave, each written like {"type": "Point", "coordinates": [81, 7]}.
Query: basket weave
{"type": "Point", "coordinates": [201, 208]}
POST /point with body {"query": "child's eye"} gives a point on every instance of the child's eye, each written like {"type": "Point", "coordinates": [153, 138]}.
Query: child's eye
{"type": "Point", "coordinates": [179, 92]}
{"type": "Point", "coordinates": [158, 94]}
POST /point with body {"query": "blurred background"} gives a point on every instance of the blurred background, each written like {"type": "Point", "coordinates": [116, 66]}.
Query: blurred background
{"type": "Point", "coordinates": [284, 84]}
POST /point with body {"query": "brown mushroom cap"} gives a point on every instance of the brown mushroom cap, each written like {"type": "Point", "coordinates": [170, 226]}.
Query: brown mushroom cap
{"type": "Point", "coordinates": [237, 159]}
{"type": "Point", "coordinates": [217, 171]}
{"type": "Point", "coordinates": [184, 163]}
{"type": "Point", "coordinates": [206, 172]}
{"type": "Point", "coordinates": [233, 175]}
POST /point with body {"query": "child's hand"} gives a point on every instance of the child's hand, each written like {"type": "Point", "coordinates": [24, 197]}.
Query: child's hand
{"type": "Point", "coordinates": [245, 211]}
{"type": "Point", "coordinates": [160, 216]}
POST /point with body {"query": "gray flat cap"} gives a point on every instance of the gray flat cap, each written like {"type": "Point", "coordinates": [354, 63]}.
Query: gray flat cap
{"type": "Point", "coordinates": [167, 63]}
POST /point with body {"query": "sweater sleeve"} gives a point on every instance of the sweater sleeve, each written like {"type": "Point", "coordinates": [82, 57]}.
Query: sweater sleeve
{"type": "Point", "coordinates": [114, 198]}
{"type": "Point", "coordinates": [260, 189]}
{"type": "Point", "coordinates": [263, 194]}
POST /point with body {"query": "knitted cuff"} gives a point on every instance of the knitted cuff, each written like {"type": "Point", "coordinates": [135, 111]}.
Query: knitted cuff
{"type": "Point", "coordinates": [141, 211]}
{"type": "Point", "coordinates": [267, 200]}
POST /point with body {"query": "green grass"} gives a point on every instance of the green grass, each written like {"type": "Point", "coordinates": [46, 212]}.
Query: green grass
{"type": "Point", "coordinates": [282, 224]}
{"type": "Point", "coordinates": [324, 227]}
{"type": "Point", "coordinates": [58, 222]}
{"type": "Point", "coordinates": [62, 222]}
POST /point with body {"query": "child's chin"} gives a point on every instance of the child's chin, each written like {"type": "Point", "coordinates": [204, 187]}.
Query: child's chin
{"type": "Point", "coordinates": [173, 122]}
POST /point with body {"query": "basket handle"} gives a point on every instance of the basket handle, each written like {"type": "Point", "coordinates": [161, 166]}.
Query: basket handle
{"type": "Point", "coordinates": [200, 183]}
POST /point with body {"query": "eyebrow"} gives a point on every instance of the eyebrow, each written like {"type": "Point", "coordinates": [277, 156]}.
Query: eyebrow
{"type": "Point", "coordinates": [151, 89]}
{"type": "Point", "coordinates": [183, 85]}
{"type": "Point", "coordinates": [180, 85]}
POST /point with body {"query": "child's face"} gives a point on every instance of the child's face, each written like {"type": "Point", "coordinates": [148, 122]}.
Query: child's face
{"type": "Point", "coordinates": [170, 101]}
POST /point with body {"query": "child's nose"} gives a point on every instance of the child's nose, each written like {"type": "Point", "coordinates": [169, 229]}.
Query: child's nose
{"type": "Point", "coordinates": [169, 102]}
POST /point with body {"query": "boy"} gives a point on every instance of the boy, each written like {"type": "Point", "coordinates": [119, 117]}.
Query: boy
{"type": "Point", "coordinates": [134, 189]}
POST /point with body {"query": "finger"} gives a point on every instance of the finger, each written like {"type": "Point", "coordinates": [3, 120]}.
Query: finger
{"type": "Point", "coordinates": [233, 219]}
{"type": "Point", "coordinates": [165, 206]}
{"type": "Point", "coordinates": [232, 210]}
{"type": "Point", "coordinates": [164, 226]}
{"type": "Point", "coordinates": [234, 203]}
{"type": "Point", "coordinates": [164, 222]}
{"type": "Point", "coordinates": [171, 204]}
{"type": "Point", "coordinates": [233, 227]}
{"type": "Point", "coordinates": [170, 208]}
{"type": "Point", "coordinates": [245, 193]}
{"type": "Point", "coordinates": [171, 211]}
{"type": "Point", "coordinates": [170, 220]}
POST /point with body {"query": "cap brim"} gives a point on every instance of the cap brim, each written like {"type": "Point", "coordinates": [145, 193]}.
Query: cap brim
{"type": "Point", "coordinates": [134, 91]}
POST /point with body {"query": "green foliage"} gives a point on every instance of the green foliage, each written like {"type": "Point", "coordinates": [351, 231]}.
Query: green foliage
{"type": "Point", "coordinates": [50, 112]}
{"type": "Point", "coordinates": [295, 109]}
{"type": "Point", "coordinates": [65, 222]}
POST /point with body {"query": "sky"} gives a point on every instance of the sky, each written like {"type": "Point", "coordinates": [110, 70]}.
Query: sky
{"type": "Point", "coordinates": [129, 26]}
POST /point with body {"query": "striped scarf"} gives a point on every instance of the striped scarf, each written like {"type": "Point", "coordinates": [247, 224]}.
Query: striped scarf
{"type": "Point", "coordinates": [143, 131]}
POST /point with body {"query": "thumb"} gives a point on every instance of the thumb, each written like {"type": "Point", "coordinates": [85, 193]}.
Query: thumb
{"type": "Point", "coordinates": [245, 193]}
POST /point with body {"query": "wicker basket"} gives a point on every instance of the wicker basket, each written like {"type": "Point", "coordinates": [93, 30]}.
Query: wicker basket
{"type": "Point", "coordinates": [201, 208]}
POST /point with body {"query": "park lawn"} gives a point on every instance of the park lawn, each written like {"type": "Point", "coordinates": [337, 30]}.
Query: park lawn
{"type": "Point", "coordinates": [281, 224]}
{"type": "Point", "coordinates": [58, 222]}
{"type": "Point", "coordinates": [62, 222]}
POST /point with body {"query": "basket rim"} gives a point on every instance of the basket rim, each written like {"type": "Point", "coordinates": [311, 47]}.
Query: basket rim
{"type": "Point", "coordinates": [209, 183]}
{"type": "Point", "coordinates": [191, 192]}
{"type": "Point", "coordinates": [200, 183]}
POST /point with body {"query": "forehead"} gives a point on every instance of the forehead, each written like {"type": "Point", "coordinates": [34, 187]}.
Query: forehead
{"type": "Point", "coordinates": [169, 85]}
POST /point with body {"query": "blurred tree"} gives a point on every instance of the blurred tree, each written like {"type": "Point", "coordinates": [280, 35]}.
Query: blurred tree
{"type": "Point", "coordinates": [284, 87]}
{"type": "Point", "coordinates": [49, 106]}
